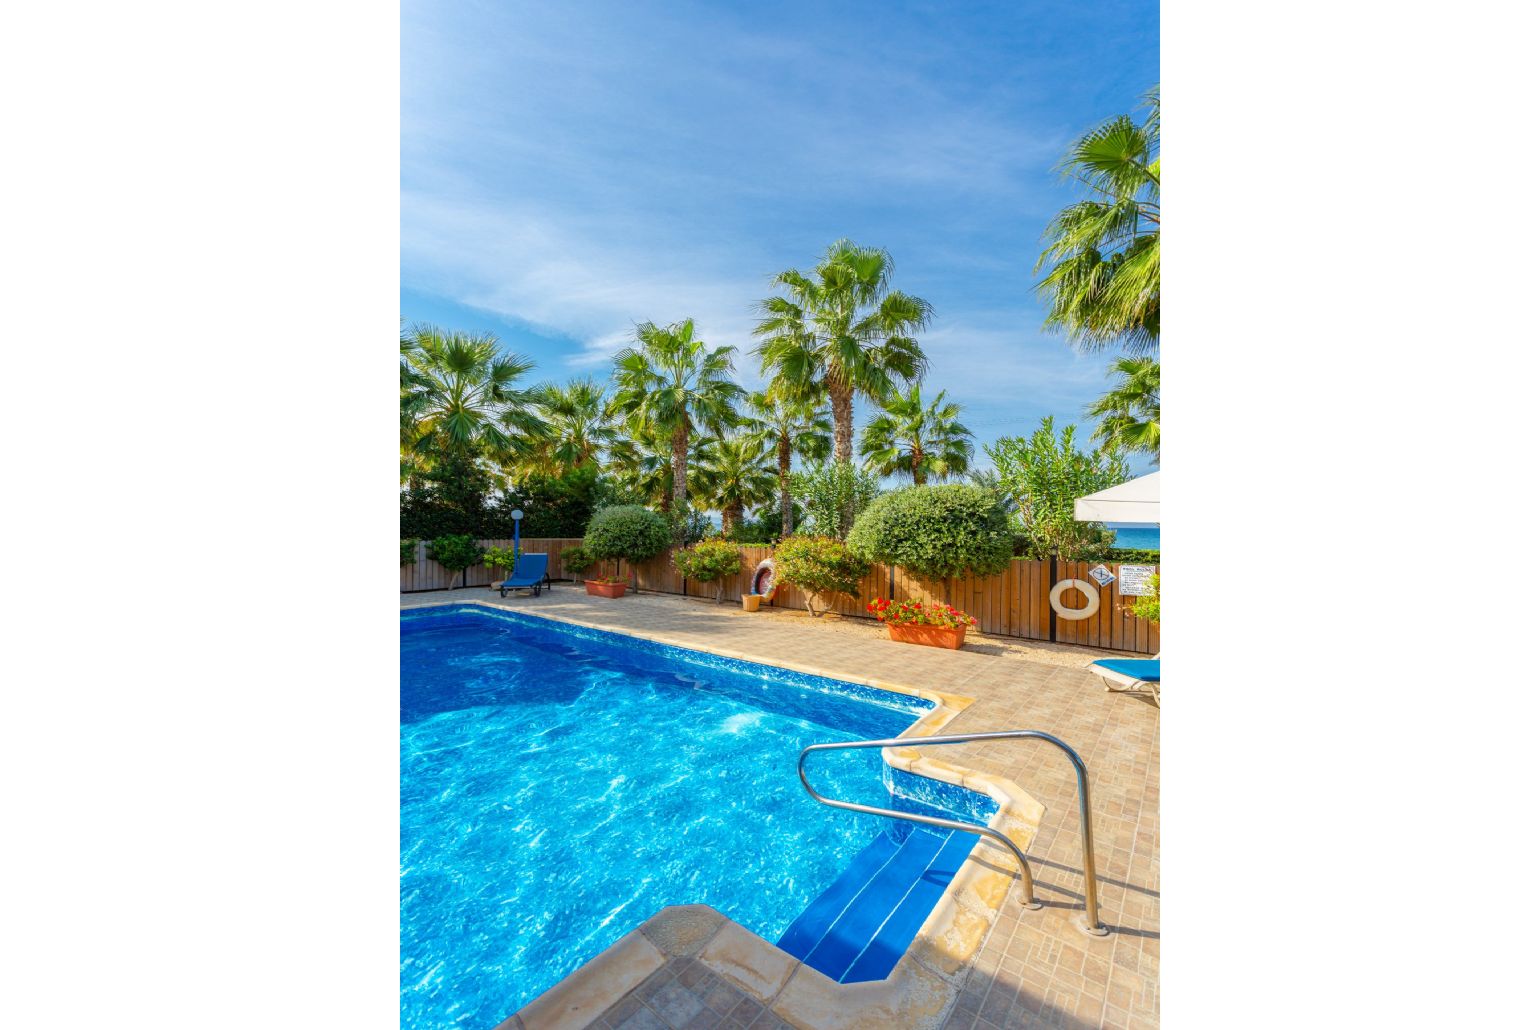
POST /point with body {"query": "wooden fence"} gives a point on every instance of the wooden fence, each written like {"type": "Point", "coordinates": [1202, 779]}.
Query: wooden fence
{"type": "Point", "coordinates": [1013, 603]}
{"type": "Point", "coordinates": [428, 574]}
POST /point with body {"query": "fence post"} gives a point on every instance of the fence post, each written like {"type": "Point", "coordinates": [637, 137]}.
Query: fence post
{"type": "Point", "coordinates": [1053, 616]}
{"type": "Point", "coordinates": [890, 583]}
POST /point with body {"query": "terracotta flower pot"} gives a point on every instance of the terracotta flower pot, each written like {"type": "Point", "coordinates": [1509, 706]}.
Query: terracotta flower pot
{"type": "Point", "coordinates": [751, 602]}
{"type": "Point", "coordinates": [930, 636]}
{"type": "Point", "coordinates": [599, 589]}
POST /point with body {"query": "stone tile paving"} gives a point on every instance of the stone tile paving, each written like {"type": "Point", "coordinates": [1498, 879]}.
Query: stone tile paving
{"type": "Point", "coordinates": [1036, 969]}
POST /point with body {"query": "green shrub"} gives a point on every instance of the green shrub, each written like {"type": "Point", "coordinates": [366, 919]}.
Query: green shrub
{"type": "Point", "coordinates": [826, 490]}
{"type": "Point", "coordinates": [409, 552]}
{"type": "Point", "coordinates": [456, 552]}
{"type": "Point", "coordinates": [1042, 475]}
{"type": "Point", "coordinates": [710, 561]}
{"type": "Point", "coordinates": [821, 566]}
{"type": "Point", "coordinates": [503, 559]}
{"type": "Point", "coordinates": [1148, 607]}
{"type": "Point", "coordinates": [935, 532]}
{"type": "Point", "coordinates": [626, 531]}
{"type": "Point", "coordinates": [577, 560]}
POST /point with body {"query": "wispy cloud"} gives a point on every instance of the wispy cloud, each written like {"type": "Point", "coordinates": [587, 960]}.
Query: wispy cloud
{"type": "Point", "coordinates": [581, 169]}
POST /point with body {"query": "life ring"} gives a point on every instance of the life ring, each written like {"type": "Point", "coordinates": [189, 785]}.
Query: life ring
{"type": "Point", "coordinates": [1074, 614]}
{"type": "Point", "coordinates": [763, 580]}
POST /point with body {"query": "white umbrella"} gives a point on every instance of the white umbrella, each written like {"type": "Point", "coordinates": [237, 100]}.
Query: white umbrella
{"type": "Point", "coordinates": [1137, 500]}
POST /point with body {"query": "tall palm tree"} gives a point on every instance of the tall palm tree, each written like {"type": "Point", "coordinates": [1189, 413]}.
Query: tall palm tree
{"type": "Point", "coordinates": [736, 472]}
{"type": "Point", "coordinates": [460, 395]}
{"type": "Point", "coordinates": [643, 464]}
{"type": "Point", "coordinates": [672, 383]}
{"type": "Point", "coordinates": [580, 425]}
{"type": "Point", "coordinates": [922, 439]}
{"type": "Point", "coordinates": [843, 332]}
{"type": "Point", "coordinates": [1129, 414]}
{"type": "Point", "coordinates": [1104, 283]}
{"type": "Point", "coordinates": [792, 425]}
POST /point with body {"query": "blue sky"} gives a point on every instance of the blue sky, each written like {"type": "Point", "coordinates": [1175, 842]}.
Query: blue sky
{"type": "Point", "coordinates": [568, 170]}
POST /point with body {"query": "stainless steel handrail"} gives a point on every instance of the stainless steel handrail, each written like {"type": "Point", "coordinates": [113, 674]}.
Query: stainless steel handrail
{"type": "Point", "coordinates": [1093, 924]}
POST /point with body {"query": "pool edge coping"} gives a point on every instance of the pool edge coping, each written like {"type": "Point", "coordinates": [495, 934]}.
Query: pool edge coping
{"type": "Point", "coordinates": [925, 982]}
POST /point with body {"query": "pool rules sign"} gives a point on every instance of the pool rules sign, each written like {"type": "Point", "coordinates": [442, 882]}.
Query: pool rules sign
{"type": "Point", "coordinates": [1135, 580]}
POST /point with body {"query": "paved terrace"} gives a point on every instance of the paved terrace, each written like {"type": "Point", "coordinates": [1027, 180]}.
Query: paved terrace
{"type": "Point", "coordinates": [1036, 969]}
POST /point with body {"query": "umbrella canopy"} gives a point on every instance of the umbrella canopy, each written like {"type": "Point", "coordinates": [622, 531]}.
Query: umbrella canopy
{"type": "Point", "coordinates": [1137, 500]}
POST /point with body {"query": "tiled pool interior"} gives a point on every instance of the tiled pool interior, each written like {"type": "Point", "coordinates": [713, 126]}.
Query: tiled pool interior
{"type": "Point", "coordinates": [561, 784]}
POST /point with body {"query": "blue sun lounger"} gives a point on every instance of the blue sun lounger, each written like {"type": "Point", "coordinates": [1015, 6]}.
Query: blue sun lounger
{"type": "Point", "coordinates": [529, 572]}
{"type": "Point", "coordinates": [1130, 674]}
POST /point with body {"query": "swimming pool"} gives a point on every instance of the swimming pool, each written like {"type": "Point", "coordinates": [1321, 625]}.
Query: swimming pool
{"type": "Point", "coordinates": [560, 784]}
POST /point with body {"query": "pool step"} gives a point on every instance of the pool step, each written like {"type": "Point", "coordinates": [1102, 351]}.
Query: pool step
{"type": "Point", "coordinates": [857, 929]}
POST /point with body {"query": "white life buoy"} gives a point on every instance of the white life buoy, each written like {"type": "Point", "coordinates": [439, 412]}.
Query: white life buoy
{"type": "Point", "coordinates": [1074, 614]}
{"type": "Point", "coordinates": [762, 582]}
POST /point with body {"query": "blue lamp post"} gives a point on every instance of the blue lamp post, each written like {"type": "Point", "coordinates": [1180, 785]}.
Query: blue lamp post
{"type": "Point", "coordinates": [518, 516]}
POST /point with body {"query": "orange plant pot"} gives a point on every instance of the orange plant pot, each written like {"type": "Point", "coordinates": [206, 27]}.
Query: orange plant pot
{"type": "Point", "coordinates": [605, 589]}
{"type": "Point", "coordinates": [930, 636]}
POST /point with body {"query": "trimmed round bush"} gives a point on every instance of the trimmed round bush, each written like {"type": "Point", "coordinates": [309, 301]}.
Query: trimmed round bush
{"type": "Point", "coordinates": [710, 561]}
{"type": "Point", "coordinates": [627, 531]}
{"type": "Point", "coordinates": [455, 552]}
{"type": "Point", "coordinates": [935, 532]}
{"type": "Point", "coordinates": [822, 566]}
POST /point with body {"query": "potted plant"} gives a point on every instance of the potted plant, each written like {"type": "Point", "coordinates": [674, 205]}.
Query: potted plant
{"type": "Point", "coordinates": [501, 561]}
{"type": "Point", "coordinates": [915, 622]}
{"type": "Point", "coordinates": [822, 566]}
{"type": "Point", "coordinates": [710, 561]}
{"type": "Point", "coordinates": [626, 532]}
{"type": "Point", "coordinates": [606, 586]}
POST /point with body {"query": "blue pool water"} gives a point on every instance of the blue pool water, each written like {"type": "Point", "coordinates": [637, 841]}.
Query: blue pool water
{"type": "Point", "coordinates": [560, 785]}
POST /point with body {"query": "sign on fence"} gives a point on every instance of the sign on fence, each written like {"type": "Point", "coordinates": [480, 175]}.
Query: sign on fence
{"type": "Point", "coordinates": [1102, 575]}
{"type": "Point", "coordinates": [1135, 580]}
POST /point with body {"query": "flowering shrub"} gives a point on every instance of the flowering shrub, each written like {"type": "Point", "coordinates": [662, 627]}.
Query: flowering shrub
{"type": "Point", "coordinates": [918, 613]}
{"type": "Point", "coordinates": [821, 566]}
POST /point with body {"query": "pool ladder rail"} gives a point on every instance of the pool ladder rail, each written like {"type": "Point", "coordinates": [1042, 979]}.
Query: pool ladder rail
{"type": "Point", "coordinates": [1093, 924]}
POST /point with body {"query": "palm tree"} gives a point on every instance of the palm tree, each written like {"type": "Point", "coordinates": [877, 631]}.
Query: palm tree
{"type": "Point", "coordinates": [736, 472]}
{"type": "Point", "coordinates": [1129, 414]}
{"type": "Point", "coordinates": [580, 425]}
{"type": "Point", "coordinates": [460, 396]}
{"type": "Point", "coordinates": [792, 425]}
{"type": "Point", "coordinates": [643, 465]}
{"type": "Point", "coordinates": [842, 332]}
{"type": "Point", "coordinates": [672, 383]}
{"type": "Point", "coordinates": [923, 440]}
{"type": "Point", "coordinates": [1104, 283]}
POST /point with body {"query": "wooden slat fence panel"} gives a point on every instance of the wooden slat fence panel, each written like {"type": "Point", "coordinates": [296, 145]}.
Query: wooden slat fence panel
{"type": "Point", "coordinates": [1012, 603]}
{"type": "Point", "coordinates": [428, 574]}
